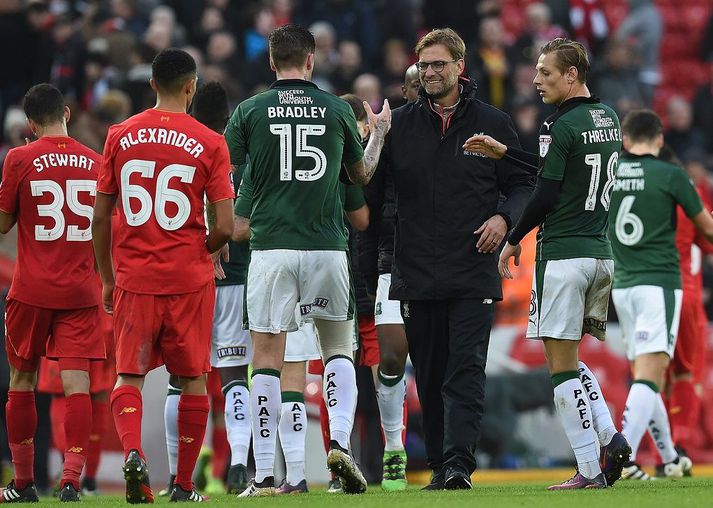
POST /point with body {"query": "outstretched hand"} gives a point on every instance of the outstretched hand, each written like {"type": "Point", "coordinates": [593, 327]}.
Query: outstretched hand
{"type": "Point", "coordinates": [503, 263]}
{"type": "Point", "coordinates": [486, 145]}
{"type": "Point", "coordinates": [381, 123]}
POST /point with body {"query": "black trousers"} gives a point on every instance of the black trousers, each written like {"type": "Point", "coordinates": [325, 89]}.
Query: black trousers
{"type": "Point", "coordinates": [448, 345]}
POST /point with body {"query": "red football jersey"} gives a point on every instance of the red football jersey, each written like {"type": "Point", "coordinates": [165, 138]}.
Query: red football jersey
{"type": "Point", "coordinates": [161, 164]}
{"type": "Point", "coordinates": [692, 245]}
{"type": "Point", "coordinates": [49, 186]}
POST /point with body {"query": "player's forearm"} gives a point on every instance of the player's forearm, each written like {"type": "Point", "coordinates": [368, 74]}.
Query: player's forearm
{"type": "Point", "coordinates": [542, 201]}
{"type": "Point", "coordinates": [361, 172]}
{"type": "Point", "coordinates": [522, 159]}
{"type": "Point", "coordinates": [241, 231]}
{"type": "Point", "coordinates": [101, 239]}
{"type": "Point", "coordinates": [210, 214]}
{"type": "Point", "coordinates": [222, 229]}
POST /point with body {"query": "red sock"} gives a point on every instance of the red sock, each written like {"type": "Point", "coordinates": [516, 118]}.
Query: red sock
{"type": "Point", "coordinates": [21, 415]}
{"type": "Point", "coordinates": [684, 407]}
{"type": "Point", "coordinates": [324, 424]}
{"type": "Point", "coordinates": [99, 414]}
{"type": "Point", "coordinates": [127, 408]}
{"type": "Point", "coordinates": [58, 409]}
{"type": "Point", "coordinates": [221, 451]}
{"type": "Point", "coordinates": [77, 427]}
{"type": "Point", "coordinates": [192, 421]}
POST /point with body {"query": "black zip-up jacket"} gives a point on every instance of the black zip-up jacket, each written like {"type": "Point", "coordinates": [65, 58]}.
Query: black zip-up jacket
{"type": "Point", "coordinates": [443, 194]}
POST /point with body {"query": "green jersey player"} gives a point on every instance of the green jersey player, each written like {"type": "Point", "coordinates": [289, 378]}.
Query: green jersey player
{"type": "Point", "coordinates": [647, 290]}
{"type": "Point", "coordinates": [579, 148]}
{"type": "Point", "coordinates": [297, 138]}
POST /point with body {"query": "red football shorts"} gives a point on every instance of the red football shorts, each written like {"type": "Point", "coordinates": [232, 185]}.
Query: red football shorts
{"type": "Point", "coordinates": [102, 376]}
{"type": "Point", "coordinates": [33, 332]}
{"type": "Point", "coordinates": [171, 330]}
{"type": "Point", "coordinates": [691, 342]}
{"type": "Point", "coordinates": [368, 340]}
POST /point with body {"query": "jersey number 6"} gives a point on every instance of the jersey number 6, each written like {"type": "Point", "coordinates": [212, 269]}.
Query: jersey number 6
{"type": "Point", "coordinates": [164, 194]}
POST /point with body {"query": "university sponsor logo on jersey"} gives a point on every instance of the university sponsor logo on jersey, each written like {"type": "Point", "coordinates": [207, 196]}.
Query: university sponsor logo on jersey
{"type": "Point", "coordinates": [601, 119]}
{"type": "Point", "coordinates": [545, 141]}
{"type": "Point", "coordinates": [293, 97]}
{"type": "Point", "coordinates": [318, 302]}
{"type": "Point", "coordinates": [232, 351]}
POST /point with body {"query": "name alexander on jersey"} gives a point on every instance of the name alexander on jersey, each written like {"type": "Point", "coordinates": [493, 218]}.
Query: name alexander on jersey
{"type": "Point", "coordinates": [161, 136]}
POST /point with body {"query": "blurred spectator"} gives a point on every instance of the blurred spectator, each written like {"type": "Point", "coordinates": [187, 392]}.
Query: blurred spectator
{"type": "Point", "coordinates": [351, 20]}
{"type": "Point", "coordinates": [681, 135]}
{"type": "Point", "coordinates": [92, 127]}
{"type": "Point", "coordinates": [326, 57]}
{"type": "Point", "coordinates": [256, 36]}
{"type": "Point", "coordinates": [703, 108]}
{"type": "Point", "coordinates": [222, 51]}
{"type": "Point", "coordinates": [349, 66]}
{"type": "Point", "coordinates": [368, 87]}
{"type": "Point", "coordinates": [68, 55]}
{"type": "Point", "coordinates": [166, 17]}
{"type": "Point", "coordinates": [97, 79]}
{"type": "Point", "coordinates": [526, 116]}
{"type": "Point", "coordinates": [15, 130]}
{"type": "Point", "coordinates": [491, 64]}
{"type": "Point", "coordinates": [397, 58]}
{"type": "Point", "coordinates": [463, 16]}
{"type": "Point", "coordinates": [138, 76]}
{"type": "Point", "coordinates": [538, 30]}
{"type": "Point", "coordinates": [589, 24]}
{"type": "Point", "coordinates": [642, 29]}
{"type": "Point", "coordinates": [158, 36]}
{"type": "Point", "coordinates": [127, 16]}
{"type": "Point", "coordinates": [615, 81]}
{"type": "Point", "coordinates": [411, 84]}
{"type": "Point", "coordinates": [397, 19]}
{"type": "Point", "coordinates": [282, 11]}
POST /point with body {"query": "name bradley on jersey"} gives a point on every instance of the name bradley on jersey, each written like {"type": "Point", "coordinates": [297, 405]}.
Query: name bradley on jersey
{"type": "Point", "coordinates": [162, 137]}
{"type": "Point", "coordinates": [53, 160]}
{"type": "Point", "coordinates": [296, 112]}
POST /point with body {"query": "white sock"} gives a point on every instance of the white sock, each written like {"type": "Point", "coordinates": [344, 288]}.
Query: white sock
{"type": "Point", "coordinates": [391, 400]}
{"type": "Point", "coordinates": [340, 396]}
{"type": "Point", "coordinates": [603, 423]}
{"type": "Point", "coordinates": [170, 419]}
{"type": "Point", "coordinates": [576, 417]}
{"type": "Point", "coordinates": [293, 431]}
{"type": "Point", "coordinates": [637, 414]}
{"type": "Point", "coordinates": [660, 431]}
{"type": "Point", "coordinates": [237, 421]}
{"type": "Point", "coordinates": [265, 413]}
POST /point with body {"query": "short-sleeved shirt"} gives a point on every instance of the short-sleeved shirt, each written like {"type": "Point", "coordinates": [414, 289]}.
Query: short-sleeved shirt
{"type": "Point", "coordinates": [642, 220]}
{"type": "Point", "coordinates": [297, 137]}
{"type": "Point", "coordinates": [161, 164]}
{"type": "Point", "coordinates": [49, 186]}
{"type": "Point", "coordinates": [579, 146]}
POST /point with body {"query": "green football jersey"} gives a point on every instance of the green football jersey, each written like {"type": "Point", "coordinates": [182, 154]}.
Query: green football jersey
{"type": "Point", "coordinates": [643, 220]}
{"type": "Point", "coordinates": [579, 146]}
{"type": "Point", "coordinates": [239, 254]}
{"type": "Point", "coordinates": [297, 137]}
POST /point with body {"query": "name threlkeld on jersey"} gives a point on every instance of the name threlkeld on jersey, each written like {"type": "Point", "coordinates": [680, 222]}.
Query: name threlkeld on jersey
{"type": "Point", "coordinates": [54, 160]}
{"type": "Point", "coordinates": [629, 177]}
{"type": "Point", "coordinates": [297, 106]}
{"type": "Point", "coordinates": [162, 136]}
{"type": "Point", "coordinates": [606, 129]}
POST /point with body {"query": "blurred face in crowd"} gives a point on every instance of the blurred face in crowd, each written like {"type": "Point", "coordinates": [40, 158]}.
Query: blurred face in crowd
{"type": "Point", "coordinates": [680, 116]}
{"type": "Point", "coordinates": [349, 55]}
{"type": "Point", "coordinates": [491, 32]}
{"type": "Point", "coordinates": [368, 87]}
{"type": "Point", "coordinates": [439, 84]}
{"type": "Point", "coordinates": [553, 85]}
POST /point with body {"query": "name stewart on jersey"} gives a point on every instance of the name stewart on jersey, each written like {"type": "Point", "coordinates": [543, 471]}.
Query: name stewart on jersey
{"type": "Point", "coordinates": [161, 136]}
{"type": "Point", "coordinates": [62, 160]}
{"type": "Point", "coordinates": [579, 147]}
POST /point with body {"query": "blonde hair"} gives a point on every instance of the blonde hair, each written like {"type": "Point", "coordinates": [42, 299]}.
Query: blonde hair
{"type": "Point", "coordinates": [569, 54]}
{"type": "Point", "coordinates": [445, 36]}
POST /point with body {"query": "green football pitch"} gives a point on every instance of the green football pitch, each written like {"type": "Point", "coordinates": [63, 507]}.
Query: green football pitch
{"type": "Point", "coordinates": [694, 492]}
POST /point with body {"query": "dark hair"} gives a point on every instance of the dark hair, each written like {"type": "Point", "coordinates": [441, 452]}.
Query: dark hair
{"type": "Point", "coordinates": [171, 69]}
{"type": "Point", "coordinates": [210, 106]}
{"type": "Point", "coordinates": [356, 104]}
{"type": "Point", "coordinates": [569, 54]}
{"type": "Point", "coordinates": [44, 104]}
{"type": "Point", "coordinates": [289, 46]}
{"type": "Point", "coordinates": [641, 125]}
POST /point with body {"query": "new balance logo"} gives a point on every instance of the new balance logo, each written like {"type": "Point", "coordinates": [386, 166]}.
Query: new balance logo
{"type": "Point", "coordinates": [186, 439]}
{"type": "Point", "coordinates": [76, 449]}
{"type": "Point", "coordinates": [27, 441]}
{"type": "Point", "coordinates": [127, 410]}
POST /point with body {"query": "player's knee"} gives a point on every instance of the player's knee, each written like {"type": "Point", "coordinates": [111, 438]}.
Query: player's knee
{"type": "Point", "coordinates": [335, 338]}
{"type": "Point", "coordinates": [391, 363]}
{"type": "Point", "coordinates": [75, 381]}
{"type": "Point", "coordinates": [22, 381]}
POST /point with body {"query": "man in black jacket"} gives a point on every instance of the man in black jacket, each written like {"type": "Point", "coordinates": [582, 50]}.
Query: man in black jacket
{"type": "Point", "coordinates": [453, 210]}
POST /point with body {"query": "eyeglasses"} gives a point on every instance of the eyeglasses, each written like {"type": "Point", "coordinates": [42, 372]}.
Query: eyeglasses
{"type": "Point", "coordinates": [436, 66]}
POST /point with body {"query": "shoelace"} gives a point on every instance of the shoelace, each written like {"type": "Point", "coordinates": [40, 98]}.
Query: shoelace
{"type": "Point", "coordinates": [394, 468]}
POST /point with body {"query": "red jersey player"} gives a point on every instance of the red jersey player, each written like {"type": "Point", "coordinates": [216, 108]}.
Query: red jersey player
{"type": "Point", "coordinates": [159, 164]}
{"type": "Point", "coordinates": [52, 307]}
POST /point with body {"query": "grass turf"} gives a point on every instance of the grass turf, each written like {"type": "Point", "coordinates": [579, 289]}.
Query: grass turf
{"type": "Point", "coordinates": [693, 492]}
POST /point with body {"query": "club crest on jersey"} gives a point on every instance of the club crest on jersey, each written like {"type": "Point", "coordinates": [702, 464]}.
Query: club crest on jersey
{"type": "Point", "coordinates": [545, 141]}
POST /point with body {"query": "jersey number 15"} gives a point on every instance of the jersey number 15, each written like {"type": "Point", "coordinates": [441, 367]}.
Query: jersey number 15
{"type": "Point", "coordinates": [301, 149]}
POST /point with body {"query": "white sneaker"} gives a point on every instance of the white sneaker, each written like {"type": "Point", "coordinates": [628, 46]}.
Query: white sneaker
{"type": "Point", "coordinates": [634, 472]}
{"type": "Point", "coordinates": [678, 467]}
{"type": "Point", "coordinates": [262, 489]}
